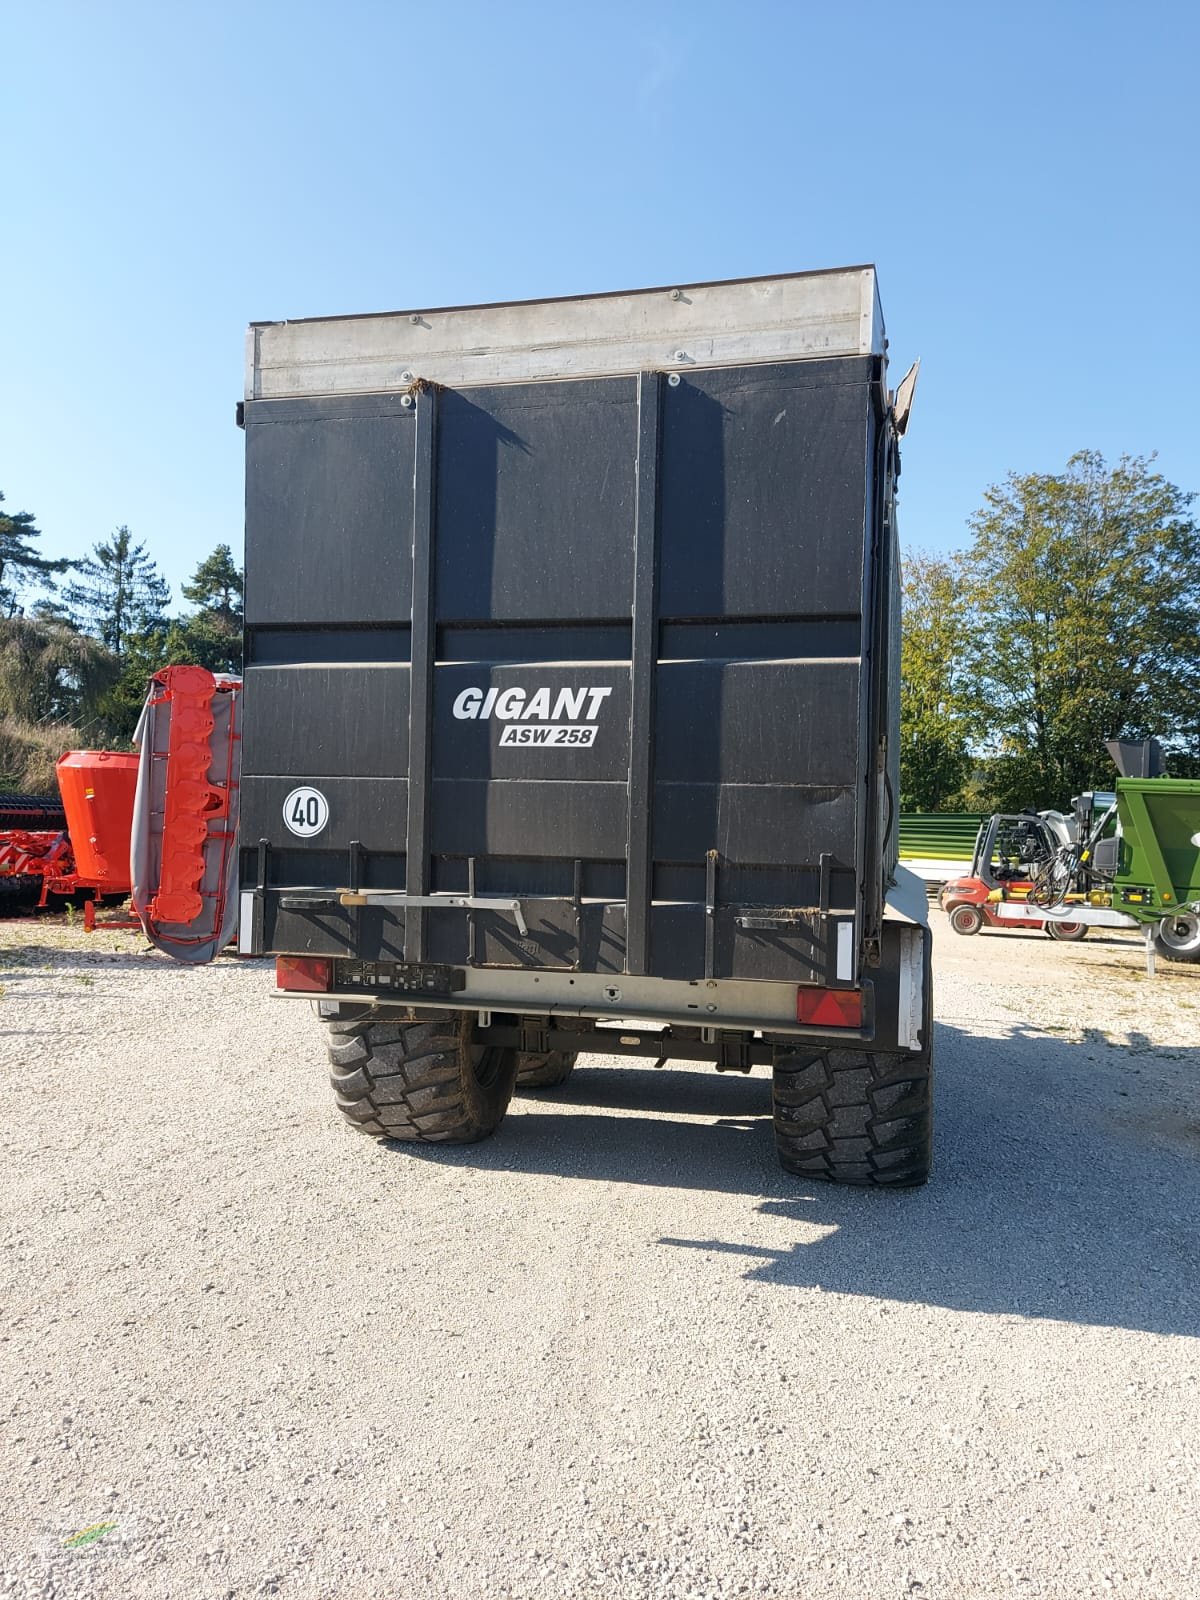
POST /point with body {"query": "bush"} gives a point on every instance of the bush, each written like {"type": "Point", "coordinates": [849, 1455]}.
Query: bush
{"type": "Point", "coordinates": [28, 754]}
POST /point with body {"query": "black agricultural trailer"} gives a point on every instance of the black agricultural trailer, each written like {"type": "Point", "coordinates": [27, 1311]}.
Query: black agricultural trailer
{"type": "Point", "coordinates": [570, 705]}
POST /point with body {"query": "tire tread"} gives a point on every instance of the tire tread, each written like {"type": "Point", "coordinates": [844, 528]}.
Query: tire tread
{"type": "Point", "coordinates": [413, 1081]}
{"type": "Point", "coordinates": [544, 1069]}
{"type": "Point", "coordinates": [851, 1117]}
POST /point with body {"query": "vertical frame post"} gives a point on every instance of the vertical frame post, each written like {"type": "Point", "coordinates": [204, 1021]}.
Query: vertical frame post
{"type": "Point", "coordinates": [420, 687]}
{"type": "Point", "coordinates": [643, 662]}
{"type": "Point", "coordinates": [711, 859]}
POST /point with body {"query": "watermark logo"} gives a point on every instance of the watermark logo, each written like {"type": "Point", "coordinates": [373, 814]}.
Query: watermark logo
{"type": "Point", "coordinates": [87, 1536]}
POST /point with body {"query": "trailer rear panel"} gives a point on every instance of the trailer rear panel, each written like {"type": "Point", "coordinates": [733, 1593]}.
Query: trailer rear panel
{"type": "Point", "coordinates": [607, 655]}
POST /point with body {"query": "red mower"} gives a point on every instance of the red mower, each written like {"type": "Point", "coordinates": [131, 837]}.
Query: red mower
{"type": "Point", "coordinates": [159, 827]}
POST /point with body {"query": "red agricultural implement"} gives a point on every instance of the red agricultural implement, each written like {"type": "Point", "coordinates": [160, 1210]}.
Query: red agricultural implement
{"type": "Point", "coordinates": [87, 858]}
{"type": "Point", "coordinates": [34, 865]}
{"type": "Point", "coordinates": [160, 827]}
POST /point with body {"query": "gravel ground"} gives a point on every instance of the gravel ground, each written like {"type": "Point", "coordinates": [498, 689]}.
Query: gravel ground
{"type": "Point", "coordinates": [613, 1352]}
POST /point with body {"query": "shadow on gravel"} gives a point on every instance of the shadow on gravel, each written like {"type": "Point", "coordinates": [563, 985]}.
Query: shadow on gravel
{"type": "Point", "coordinates": [1096, 936]}
{"type": "Point", "coordinates": [18, 958]}
{"type": "Point", "coordinates": [1066, 1186]}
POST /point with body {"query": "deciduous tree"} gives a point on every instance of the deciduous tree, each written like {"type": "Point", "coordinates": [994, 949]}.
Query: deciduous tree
{"type": "Point", "coordinates": [1083, 592]}
{"type": "Point", "coordinates": [50, 672]}
{"type": "Point", "coordinates": [935, 757]}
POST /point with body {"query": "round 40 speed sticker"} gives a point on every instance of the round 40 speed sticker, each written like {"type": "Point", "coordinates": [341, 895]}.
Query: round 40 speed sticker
{"type": "Point", "coordinates": [306, 811]}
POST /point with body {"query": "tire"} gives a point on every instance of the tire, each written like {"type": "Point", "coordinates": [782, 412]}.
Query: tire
{"type": "Point", "coordinates": [420, 1081]}
{"type": "Point", "coordinates": [1178, 938]}
{"type": "Point", "coordinates": [544, 1069]}
{"type": "Point", "coordinates": [966, 918]}
{"type": "Point", "coordinates": [19, 893]}
{"type": "Point", "coordinates": [852, 1117]}
{"type": "Point", "coordinates": [1068, 932]}
{"type": "Point", "coordinates": [35, 813]}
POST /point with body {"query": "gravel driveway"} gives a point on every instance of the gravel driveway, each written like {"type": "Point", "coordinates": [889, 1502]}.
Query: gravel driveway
{"type": "Point", "coordinates": [615, 1351]}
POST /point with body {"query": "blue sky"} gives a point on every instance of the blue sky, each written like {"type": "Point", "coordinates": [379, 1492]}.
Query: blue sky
{"type": "Point", "coordinates": [1025, 177]}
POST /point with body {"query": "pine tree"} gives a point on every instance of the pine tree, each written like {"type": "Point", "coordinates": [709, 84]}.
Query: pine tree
{"type": "Point", "coordinates": [217, 586]}
{"type": "Point", "coordinates": [212, 636]}
{"type": "Point", "coordinates": [20, 565]}
{"type": "Point", "coordinates": [121, 594]}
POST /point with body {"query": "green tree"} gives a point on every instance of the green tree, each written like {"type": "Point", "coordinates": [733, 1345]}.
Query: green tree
{"type": "Point", "coordinates": [217, 586]}
{"type": "Point", "coordinates": [20, 565]}
{"type": "Point", "coordinates": [205, 642]}
{"type": "Point", "coordinates": [935, 758]}
{"type": "Point", "coordinates": [119, 594]}
{"type": "Point", "coordinates": [145, 653]}
{"type": "Point", "coordinates": [50, 672]}
{"type": "Point", "coordinates": [212, 636]}
{"type": "Point", "coordinates": [1083, 589]}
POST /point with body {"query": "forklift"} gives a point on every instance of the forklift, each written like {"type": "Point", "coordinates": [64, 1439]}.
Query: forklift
{"type": "Point", "coordinates": [1010, 849]}
{"type": "Point", "coordinates": [1129, 858]}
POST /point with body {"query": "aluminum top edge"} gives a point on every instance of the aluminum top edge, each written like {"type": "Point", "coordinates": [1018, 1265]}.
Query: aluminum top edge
{"type": "Point", "coordinates": [568, 299]}
{"type": "Point", "coordinates": [739, 321]}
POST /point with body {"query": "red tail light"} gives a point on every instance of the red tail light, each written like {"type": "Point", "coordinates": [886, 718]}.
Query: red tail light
{"type": "Point", "coordinates": [306, 974]}
{"type": "Point", "coordinates": [829, 1008]}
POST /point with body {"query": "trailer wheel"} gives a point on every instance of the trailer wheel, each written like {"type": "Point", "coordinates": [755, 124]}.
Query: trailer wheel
{"type": "Point", "coordinates": [966, 919]}
{"type": "Point", "coordinates": [850, 1117]}
{"type": "Point", "coordinates": [426, 1081]}
{"type": "Point", "coordinates": [1069, 932]}
{"type": "Point", "coordinates": [544, 1069]}
{"type": "Point", "coordinates": [1178, 938]}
